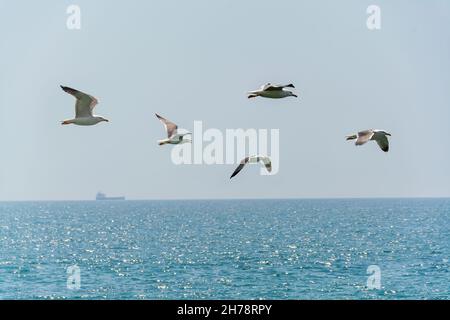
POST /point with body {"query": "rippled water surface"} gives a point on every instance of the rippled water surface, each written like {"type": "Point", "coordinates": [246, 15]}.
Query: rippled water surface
{"type": "Point", "coordinates": [237, 249]}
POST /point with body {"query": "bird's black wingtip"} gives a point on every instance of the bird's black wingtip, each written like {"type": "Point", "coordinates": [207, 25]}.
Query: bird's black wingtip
{"type": "Point", "coordinates": [67, 89]}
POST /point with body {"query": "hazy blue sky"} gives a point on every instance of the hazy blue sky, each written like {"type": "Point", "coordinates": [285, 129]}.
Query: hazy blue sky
{"type": "Point", "coordinates": [194, 60]}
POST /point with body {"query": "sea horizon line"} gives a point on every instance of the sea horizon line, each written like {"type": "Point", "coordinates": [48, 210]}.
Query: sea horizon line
{"type": "Point", "coordinates": [230, 199]}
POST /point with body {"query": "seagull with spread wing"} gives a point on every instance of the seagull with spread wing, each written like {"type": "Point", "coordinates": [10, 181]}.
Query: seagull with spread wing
{"type": "Point", "coordinates": [84, 106]}
{"type": "Point", "coordinates": [173, 137]}
{"type": "Point", "coordinates": [272, 91]}
{"type": "Point", "coordinates": [254, 159]}
{"type": "Point", "coordinates": [380, 136]}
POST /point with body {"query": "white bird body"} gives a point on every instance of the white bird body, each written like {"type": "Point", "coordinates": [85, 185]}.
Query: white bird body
{"type": "Point", "coordinates": [272, 91]}
{"type": "Point", "coordinates": [84, 107]}
{"type": "Point", "coordinates": [177, 139]}
{"type": "Point", "coordinates": [380, 136]}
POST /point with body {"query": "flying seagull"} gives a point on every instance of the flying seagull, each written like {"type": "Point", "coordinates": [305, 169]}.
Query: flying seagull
{"type": "Point", "coordinates": [253, 159]}
{"type": "Point", "coordinates": [272, 91]}
{"type": "Point", "coordinates": [173, 137]}
{"type": "Point", "coordinates": [380, 136]}
{"type": "Point", "coordinates": [83, 109]}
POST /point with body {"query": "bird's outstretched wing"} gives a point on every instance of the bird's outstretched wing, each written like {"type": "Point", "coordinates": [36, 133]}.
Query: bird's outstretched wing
{"type": "Point", "coordinates": [240, 167]}
{"type": "Point", "coordinates": [171, 127]}
{"type": "Point", "coordinates": [85, 103]}
{"type": "Point", "coordinates": [383, 142]}
{"type": "Point", "coordinates": [363, 137]}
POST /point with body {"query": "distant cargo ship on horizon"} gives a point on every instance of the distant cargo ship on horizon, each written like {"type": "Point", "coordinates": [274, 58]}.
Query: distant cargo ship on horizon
{"type": "Point", "coordinates": [102, 196]}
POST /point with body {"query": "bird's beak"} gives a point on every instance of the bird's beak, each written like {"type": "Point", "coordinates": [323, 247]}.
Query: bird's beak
{"type": "Point", "coordinates": [106, 120]}
{"type": "Point", "coordinates": [388, 134]}
{"type": "Point", "coordinates": [294, 95]}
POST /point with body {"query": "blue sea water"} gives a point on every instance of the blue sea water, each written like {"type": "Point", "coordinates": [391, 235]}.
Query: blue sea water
{"type": "Point", "coordinates": [230, 249]}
